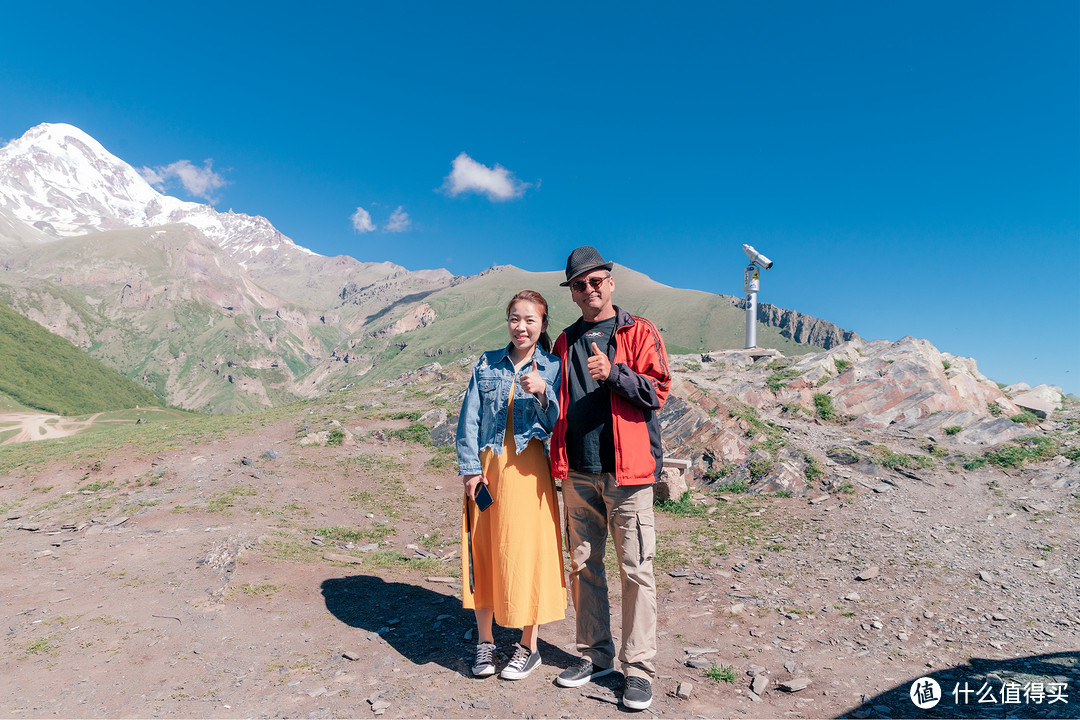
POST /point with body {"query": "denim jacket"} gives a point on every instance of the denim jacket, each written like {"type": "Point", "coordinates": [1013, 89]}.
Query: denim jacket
{"type": "Point", "coordinates": [482, 423]}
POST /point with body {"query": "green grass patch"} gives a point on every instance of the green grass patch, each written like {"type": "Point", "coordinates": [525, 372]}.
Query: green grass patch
{"type": "Point", "coordinates": [41, 646]}
{"type": "Point", "coordinates": [732, 486]}
{"type": "Point", "coordinates": [1023, 450]}
{"type": "Point", "coordinates": [335, 438]}
{"type": "Point", "coordinates": [841, 364]}
{"type": "Point", "coordinates": [975, 463]}
{"type": "Point", "coordinates": [780, 378]}
{"type": "Point", "coordinates": [683, 507]}
{"type": "Point", "coordinates": [265, 590]}
{"type": "Point", "coordinates": [1026, 417]}
{"type": "Point", "coordinates": [823, 406]}
{"type": "Point", "coordinates": [360, 536]}
{"type": "Point", "coordinates": [95, 486]}
{"type": "Point", "coordinates": [718, 472]}
{"type": "Point", "coordinates": [721, 674]}
{"type": "Point", "coordinates": [444, 458]}
{"type": "Point", "coordinates": [759, 469]}
{"type": "Point", "coordinates": [418, 433]}
{"type": "Point", "coordinates": [901, 461]}
{"type": "Point", "coordinates": [953, 429]}
{"type": "Point", "coordinates": [226, 500]}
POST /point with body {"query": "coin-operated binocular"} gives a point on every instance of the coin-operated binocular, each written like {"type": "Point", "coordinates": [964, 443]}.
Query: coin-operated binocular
{"type": "Point", "coordinates": [751, 285]}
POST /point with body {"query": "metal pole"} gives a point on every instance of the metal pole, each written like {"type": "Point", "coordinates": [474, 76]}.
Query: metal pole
{"type": "Point", "coordinates": [751, 284]}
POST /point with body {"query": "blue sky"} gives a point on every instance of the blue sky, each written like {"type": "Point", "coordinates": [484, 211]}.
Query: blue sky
{"type": "Point", "coordinates": [912, 168]}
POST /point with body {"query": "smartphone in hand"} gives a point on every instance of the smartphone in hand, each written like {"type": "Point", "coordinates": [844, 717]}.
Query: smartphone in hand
{"type": "Point", "coordinates": [483, 497]}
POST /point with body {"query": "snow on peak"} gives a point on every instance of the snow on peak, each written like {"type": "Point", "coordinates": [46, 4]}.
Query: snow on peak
{"type": "Point", "coordinates": [62, 181]}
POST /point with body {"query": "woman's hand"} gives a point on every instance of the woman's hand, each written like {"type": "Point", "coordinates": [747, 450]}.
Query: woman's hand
{"type": "Point", "coordinates": [532, 383]}
{"type": "Point", "coordinates": [471, 482]}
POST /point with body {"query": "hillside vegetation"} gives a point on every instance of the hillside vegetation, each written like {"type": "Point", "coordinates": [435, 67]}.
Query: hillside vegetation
{"type": "Point", "coordinates": [471, 318]}
{"type": "Point", "coordinates": [44, 371]}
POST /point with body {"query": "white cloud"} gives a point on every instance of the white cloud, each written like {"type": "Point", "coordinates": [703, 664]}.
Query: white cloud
{"type": "Point", "coordinates": [200, 182]}
{"type": "Point", "coordinates": [399, 221]}
{"type": "Point", "coordinates": [361, 221]}
{"type": "Point", "coordinates": [497, 183]}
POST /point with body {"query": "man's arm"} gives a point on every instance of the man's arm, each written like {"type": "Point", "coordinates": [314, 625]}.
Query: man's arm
{"type": "Point", "coordinates": [648, 382]}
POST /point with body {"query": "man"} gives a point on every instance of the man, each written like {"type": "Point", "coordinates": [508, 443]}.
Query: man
{"type": "Point", "coordinates": [606, 449]}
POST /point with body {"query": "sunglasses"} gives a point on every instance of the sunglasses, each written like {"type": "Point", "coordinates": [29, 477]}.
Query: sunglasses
{"type": "Point", "coordinates": [596, 282]}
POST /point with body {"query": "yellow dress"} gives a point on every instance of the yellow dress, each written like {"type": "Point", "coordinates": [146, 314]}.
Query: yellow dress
{"type": "Point", "coordinates": [517, 546]}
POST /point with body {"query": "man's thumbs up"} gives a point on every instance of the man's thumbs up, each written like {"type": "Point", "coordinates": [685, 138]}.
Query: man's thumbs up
{"type": "Point", "coordinates": [599, 365]}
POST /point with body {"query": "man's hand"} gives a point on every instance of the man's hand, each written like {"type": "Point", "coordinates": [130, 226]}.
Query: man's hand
{"type": "Point", "coordinates": [471, 482]}
{"type": "Point", "coordinates": [532, 383]}
{"type": "Point", "coordinates": [599, 365]}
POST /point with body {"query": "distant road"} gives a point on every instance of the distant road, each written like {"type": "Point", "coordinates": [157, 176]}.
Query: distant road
{"type": "Point", "coordinates": [32, 426]}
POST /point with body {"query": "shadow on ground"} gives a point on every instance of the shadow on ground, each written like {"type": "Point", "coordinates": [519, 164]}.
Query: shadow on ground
{"type": "Point", "coordinates": [423, 625]}
{"type": "Point", "coordinates": [1040, 686]}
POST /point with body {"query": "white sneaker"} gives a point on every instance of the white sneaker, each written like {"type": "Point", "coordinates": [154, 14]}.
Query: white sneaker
{"type": "Point", "coordinates": [523, 663]}
{"type": "Point", "coordinates": [485, 663]}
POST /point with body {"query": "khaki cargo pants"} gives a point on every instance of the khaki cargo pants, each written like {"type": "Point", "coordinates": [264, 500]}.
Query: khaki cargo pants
{"type": "Point", "coordinates": [595, 505]}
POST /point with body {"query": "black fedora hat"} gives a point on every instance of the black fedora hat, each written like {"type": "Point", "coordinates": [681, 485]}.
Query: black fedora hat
{"type": "Point", "coordinates": [582, 260]}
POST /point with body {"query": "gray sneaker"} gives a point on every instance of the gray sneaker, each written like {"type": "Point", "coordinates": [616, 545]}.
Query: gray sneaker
{"type": "Point", "coordinates": [523, 663]}
{"type": "Point", "coordinates": [582, 672]}
{"type": "Point", "coordinates": [485, 660]}
{"type": "Point", "coordinates": [637, 693]}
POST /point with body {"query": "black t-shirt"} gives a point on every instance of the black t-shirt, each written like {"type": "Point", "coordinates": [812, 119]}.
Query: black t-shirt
{"type": "Point", "coordinates": [590, 446]}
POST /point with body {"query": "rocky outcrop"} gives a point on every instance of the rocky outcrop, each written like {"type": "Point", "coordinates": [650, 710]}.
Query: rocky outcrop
{"type": "Point", "coordinates": [696, 426]}
{"type": "Point", "coordinates": [799, 327]}
{"type": "Point", "coordinates": [420, 316]}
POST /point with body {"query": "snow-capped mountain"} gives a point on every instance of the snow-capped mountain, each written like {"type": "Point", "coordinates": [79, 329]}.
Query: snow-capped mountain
{"type": "Point", "coordinates": [58, 179]}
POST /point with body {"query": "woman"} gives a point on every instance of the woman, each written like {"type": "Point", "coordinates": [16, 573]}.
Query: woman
{"type": "Point", "coordinates": [512, 551]}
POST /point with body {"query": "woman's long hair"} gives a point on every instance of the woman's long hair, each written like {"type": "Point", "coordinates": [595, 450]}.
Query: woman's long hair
{"type": "Point", "coordinates": [538, 300]}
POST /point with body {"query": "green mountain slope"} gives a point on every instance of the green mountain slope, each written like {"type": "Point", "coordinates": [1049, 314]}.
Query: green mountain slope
{"type": "Point", "coordinates": [471, 317]}
{"type": "Point", "coordinates": [41, 370]}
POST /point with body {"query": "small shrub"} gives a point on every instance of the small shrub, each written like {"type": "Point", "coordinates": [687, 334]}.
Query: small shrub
{"type": "Point", "coordinates": [953, 429]}
{"type": "Point", "coordinates": [759, 468]}
{"type": "Point", "coordinates": [936, 450]}
{"type": "Point", "coordinates": [794, 410]}
{"type": "Point", "coordinates": [813, 469]}
{"type": "Point", "coordinates": [415, 433]}
{"type": "Point", "coordinates": [1025, 417]}
{"type": "Point", "coordinates": [841, 364]}
{"type": "Point", "coordinates": [335, 438]}
{"type": "Point", "coordinates": [719, 674]}
{"type": "Point", "coordinates": [946, 364]}
{"type": "Point", "coordinates": [895, 461]}
{"type": "Point", "coordinates": [779, 379]}
{"type": "Point", "coordinates": [718, 472]}
{"type": "Point", "coordinates": [732, 486]}
{"type": "Point", "coordinates": [683, 507]}
{"type": "Point", "coordinates": [823, 405]}
{"type": "Point", "coordinates": [975, 463]}
{"type": "Point", "coordinates": [994, 409]}
{"type": "Point", "coordinates": [1026, 449]}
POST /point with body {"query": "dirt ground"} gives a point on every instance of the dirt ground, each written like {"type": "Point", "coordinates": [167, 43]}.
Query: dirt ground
{"type": "Point", "coordinates": [35, 426]}
{"type": "Point", "coordinates": [253, 575]}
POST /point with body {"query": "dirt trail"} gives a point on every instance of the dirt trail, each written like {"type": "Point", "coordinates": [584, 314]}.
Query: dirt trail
{"type": "Point", "coordinates": [34, 426]}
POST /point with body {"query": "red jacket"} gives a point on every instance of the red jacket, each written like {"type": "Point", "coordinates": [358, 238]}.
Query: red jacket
{"type": "Point", "coordinates": [639, 382]}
